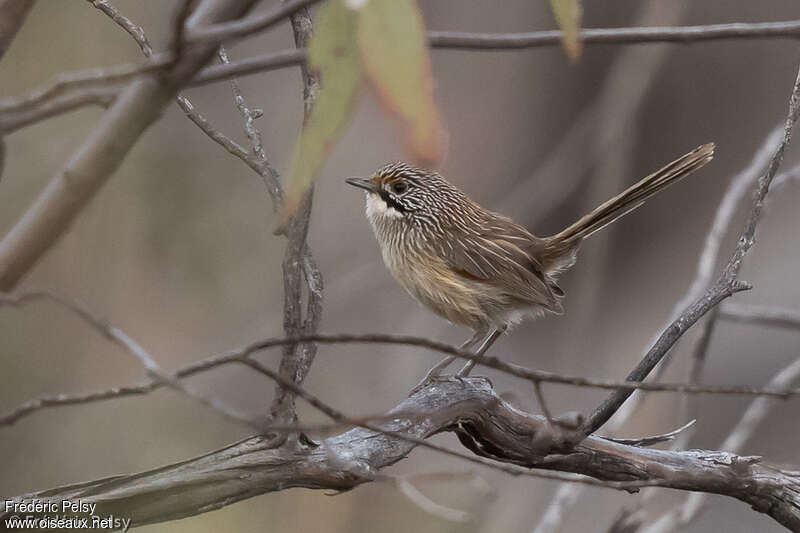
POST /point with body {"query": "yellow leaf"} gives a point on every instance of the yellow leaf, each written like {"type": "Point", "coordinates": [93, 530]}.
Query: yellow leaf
{"type": "Point", "coordinates": [394, 52]}
{"type": "Point", "coordinates": [332, 52]}
{"type": "Point", "coordinates": [568, 14]}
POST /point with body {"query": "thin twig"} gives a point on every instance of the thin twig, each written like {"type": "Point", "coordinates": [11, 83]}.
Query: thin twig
{"type": "Point", "coordinates": [249, 115]}
{"type": "Point", "coordinates": [235, 355]}
{"type": "Point", "coordinates": [298, 261]}
{"type": "Point", "coordinates": [736, 191]}
{"type": "Point", "coordinates": [727, 285]}
{"type": "Point", "coordinates": [419, 499]}
{"type": "Point", "coordinates": [179, 27]}
{"type": "Point", "coordinates": [12, 15]}
{"type": "Point", "coordinates": [99, 155]}
{"type": "Point", "coordinates": [298, 264]}
{"type": "Point", "coordinates": [681, 35]}
{"type": "Point", "coordinates": [654, 439]}
{"type": "Point", "coordinates": [126, 342]}
{"type": "Point", "coordinates": [510, 41]}
{"type": "Point", "coordinates": [138, 34]}
{"type": "Point", "coordinates": [247, 26]}
{"type": "Point", "coordinates": [785, 178]}
{"type": "Point", "coordinates": [259, 164]}
{"type": "Point", "coordinates": [537, 389]}
{"type": "Point", "coordinates": [257, 160]}
{"type": "Point", "coordinates": [441, 40]}
{"type": "Point", "coordinates": [760, 314]}
{"type": "Point", "coordinates": [755, 413]}
{"type": "Point", "coordinates": [604, 133]}
{"type": "Point", "coordinates": [125, 23]}
{"type": "Point", "coordinates": [13, 120]}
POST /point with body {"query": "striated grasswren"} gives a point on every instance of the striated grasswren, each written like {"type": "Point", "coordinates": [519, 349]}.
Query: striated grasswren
{"type": "Point", "coordinates": [475, 267]}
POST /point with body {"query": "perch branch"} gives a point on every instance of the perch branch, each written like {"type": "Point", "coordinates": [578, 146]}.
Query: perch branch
{"type": "Point", "coordinates": [483, 422]}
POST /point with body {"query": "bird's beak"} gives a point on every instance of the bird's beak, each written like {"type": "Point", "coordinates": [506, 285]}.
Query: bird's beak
{"type": "Point", "coordinates": [361, 183]}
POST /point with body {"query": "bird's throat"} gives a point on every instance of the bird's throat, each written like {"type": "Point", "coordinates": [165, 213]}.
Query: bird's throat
{"type": "Point", "coordinates": [383, 206]}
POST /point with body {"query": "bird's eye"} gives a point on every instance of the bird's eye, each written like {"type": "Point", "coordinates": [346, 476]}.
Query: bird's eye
{"type": "Point", "coordinates": [399, 187]}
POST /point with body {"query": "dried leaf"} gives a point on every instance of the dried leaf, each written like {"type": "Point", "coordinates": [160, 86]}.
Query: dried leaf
{"type": "Point", "coordinates": [394, 51]}
{"type": "Point", "coordinates": [568, 14]}
{"type": "Point", "coordinates": [333, 52]}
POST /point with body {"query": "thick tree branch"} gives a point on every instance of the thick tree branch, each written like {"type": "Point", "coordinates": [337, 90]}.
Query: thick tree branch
{"type": "Point", "coordinates": [482, 420]}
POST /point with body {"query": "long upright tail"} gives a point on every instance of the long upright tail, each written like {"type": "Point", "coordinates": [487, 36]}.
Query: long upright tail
{"type": "Point", "coordinates": [634, 196]}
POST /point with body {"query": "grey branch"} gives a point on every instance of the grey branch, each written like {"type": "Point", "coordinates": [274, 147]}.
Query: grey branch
{"type": "Point", "coordinates": [249, 25]}
{"type": "Point", "coordinates": [262, 167]}
{"type": "Point", "coordinates": [79, 81]}
{"type": "Point", "coordinates": [727, 285]}
{"type": "Point", "coordinates": [603, 126]}
{"type": "Point", "coordinates": [126, 342]}
{"type": "Point", "coordinates": [719, 228]}
{"type": "Point", "coordinates": [299, 266]}
{"type": "Point", "coordinates": [12, 16]}
{"type": "Point", "coordinates": [682, 35]}
{"type": "Point", "coordinates": [760, 314]}
{"type": "Point", "coordinates": [736, 191]}
{"type": "Point", "coordinates": [741, 433]}
{"type": "Point", "coordinates": [236, 355]}
{"type": "Point", "coordinates": [506, 41]}
{"type": "Point", "coordinates": [484, 423]}
{"type": "Point", "coordinates": [101, 153]}
{"type": "Point", "coordinates": [125, 23]}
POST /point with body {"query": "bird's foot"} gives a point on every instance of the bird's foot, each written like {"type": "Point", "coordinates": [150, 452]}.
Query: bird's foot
{"type": "Point", "coordinates": [466, 369]}
{"type": "Point", "coordinates": [433, 374]}
{"type": "Point", "coordinates": [439, 378]}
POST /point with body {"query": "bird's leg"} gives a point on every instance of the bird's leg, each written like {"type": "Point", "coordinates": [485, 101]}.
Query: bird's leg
{"type": "Point", "coordinates": [436, 369]}
{"type": "Point", "coordinates": [487, 342]}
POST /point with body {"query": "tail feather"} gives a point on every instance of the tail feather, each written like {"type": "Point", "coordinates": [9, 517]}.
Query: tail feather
{"type": "Point", "coordinates": [632, 197]}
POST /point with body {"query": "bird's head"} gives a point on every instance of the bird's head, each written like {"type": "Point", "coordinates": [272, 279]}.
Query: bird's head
{"type": "Point", "coordinates": [403, 191]}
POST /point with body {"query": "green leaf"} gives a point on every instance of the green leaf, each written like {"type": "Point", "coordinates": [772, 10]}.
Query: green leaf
{"type": "Point", "coordinates": [332, 52]}
{"type": "Point", "coordinates": [394, 52]}
{"type": "Point", "coordinates": [568, 14]}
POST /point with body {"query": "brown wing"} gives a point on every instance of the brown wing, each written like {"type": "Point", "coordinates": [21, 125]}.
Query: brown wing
{"type": "Point", "coordinates": [496, 254]}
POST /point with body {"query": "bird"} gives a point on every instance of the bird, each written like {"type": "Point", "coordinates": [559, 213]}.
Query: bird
{"type": "Point", "coordinates": [478, 268]}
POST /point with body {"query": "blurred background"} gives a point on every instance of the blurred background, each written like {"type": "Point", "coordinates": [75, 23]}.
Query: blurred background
{"type": "Point", "coordinates": [177, 250]}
